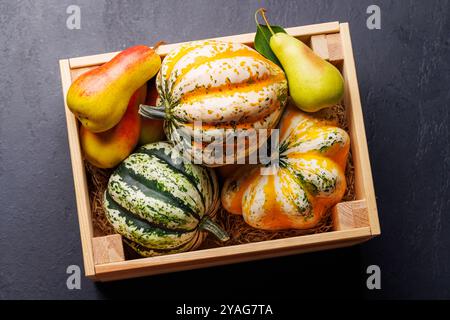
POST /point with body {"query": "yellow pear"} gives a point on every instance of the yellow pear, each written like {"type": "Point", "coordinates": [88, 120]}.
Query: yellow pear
{"type": "Point", "coordinates": [313, 83]}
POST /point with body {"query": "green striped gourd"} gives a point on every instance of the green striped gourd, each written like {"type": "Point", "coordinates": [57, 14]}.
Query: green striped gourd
{"type": "Point", "coordinates": [161, 204]}
{"type": "Point", "coordinates": [222, 86]}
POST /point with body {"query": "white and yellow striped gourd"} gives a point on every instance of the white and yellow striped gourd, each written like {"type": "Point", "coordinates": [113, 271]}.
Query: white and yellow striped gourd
{"type": "Point", "coordinates": [221, 85]}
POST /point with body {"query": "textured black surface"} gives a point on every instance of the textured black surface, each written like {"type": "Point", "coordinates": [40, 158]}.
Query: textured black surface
{"type": "Point", "coordinates": [403, 74]}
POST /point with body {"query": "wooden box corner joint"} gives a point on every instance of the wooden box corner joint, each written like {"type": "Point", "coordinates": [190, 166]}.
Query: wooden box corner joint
{"type": "Point", "coordinates": [328, 47]}
{"type": "Point", "coordinates": [349, 215]}
{"type": "Point", "coordinates": [108, 249]}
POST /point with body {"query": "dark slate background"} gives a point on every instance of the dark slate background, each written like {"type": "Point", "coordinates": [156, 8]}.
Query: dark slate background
{"type": "Point", "coordinates": [403, 74]}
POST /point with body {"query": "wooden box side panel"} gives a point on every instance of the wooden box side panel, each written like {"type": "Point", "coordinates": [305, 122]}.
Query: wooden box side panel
{"type": "Point", "coordinates": [79, 177]}
{"type": "Point", "coordinates": [233, 254]}
{"type": "Point", "coordinates": [247, 38]}
{"type": "Point", "coordinates": [361, 161]}
{"type": "Point", "coordinates": [134, 272]}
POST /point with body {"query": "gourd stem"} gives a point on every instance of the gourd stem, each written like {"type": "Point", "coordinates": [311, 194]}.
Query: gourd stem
{"type": "Point", "coordinates": [158, 112]}
{"type": "Point", "coordinates": [209, 225]}
{"type": "Point", "coordinates": [262, 12]}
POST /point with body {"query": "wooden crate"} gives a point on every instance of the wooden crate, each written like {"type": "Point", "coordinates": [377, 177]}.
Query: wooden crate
{"type": "Point", "coordinates": [353, 221]}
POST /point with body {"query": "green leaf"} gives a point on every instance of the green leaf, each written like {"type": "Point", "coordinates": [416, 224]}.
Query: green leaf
{"type": "Point", "coordinates": [262, 41]}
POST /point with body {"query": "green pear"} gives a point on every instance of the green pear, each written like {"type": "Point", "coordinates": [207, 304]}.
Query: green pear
{"type": "Point", "coordinates": [314, 83]}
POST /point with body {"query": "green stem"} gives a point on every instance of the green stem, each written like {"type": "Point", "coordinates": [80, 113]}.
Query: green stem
{"type": "Point", "coordinates": [209, 225]}
{"type": "Point", "coordinates": [262, 12]}
{"type": "Point", "coordinates": [158, 112]}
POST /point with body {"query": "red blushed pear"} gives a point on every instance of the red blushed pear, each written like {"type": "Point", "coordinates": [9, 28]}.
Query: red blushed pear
{"type": "Point", "coordinates": [152, 130]}
{"type": "Point", "coordinates": [107, 149]}
{"type": "Point", "coordinates": [99, 97]}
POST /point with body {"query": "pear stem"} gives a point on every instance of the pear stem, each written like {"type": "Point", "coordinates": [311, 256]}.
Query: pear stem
{"type": "Point", "coordinates": [262, 11]}
{"type": "Point", "coordinates": [159, 43]}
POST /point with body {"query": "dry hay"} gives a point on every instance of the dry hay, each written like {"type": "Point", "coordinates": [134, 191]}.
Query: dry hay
{"type": "Point", "coordinates": [97, 182]}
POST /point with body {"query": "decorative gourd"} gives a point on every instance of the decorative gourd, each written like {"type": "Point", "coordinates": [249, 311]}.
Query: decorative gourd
{"type": "Point", "coordinates": [220, 85]}
{"type": "Point", "coordinates": [161, 204]}
{"type": "Point", "coordinates": [309, 180]}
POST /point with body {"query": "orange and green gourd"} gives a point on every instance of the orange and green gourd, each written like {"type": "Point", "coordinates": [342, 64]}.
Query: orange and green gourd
{"type": "Point", "coordinates": [308, 180]}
